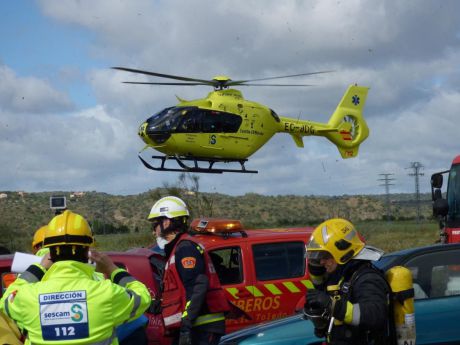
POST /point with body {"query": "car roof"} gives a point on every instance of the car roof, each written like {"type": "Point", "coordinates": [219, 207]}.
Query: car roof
{"type": "Point", "coordinates": [254, 235]}
{"type": "Point", "coordinates": [417, 250]}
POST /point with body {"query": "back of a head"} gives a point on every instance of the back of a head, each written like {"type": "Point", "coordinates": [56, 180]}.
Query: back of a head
{"type": "Point", "coordinates": [69, 237]}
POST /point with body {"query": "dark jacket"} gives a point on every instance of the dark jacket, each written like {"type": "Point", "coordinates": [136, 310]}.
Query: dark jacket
{"type": "Point", "coordinates": [366, 288]}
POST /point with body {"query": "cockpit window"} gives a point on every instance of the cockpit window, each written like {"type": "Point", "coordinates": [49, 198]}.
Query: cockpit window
{"type": "Point", "coordinates": [164, 121]}
{"type": "Point", "coordinates": [195, 120]}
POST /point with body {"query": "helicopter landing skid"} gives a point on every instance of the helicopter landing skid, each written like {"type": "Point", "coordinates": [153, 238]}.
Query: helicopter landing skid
{"type": "Point", "coordinates": [196, 168]}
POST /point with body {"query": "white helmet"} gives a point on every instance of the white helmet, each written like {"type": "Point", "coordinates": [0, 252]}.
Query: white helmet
{"type": "Point", "coordinates": [169, 207]}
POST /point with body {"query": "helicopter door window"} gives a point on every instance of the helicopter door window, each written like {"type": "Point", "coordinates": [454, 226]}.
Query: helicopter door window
{"type": "Point", "coordinates": [212, 122]}
{"type": "Point", "coordinates": [190, 122]}
{"type": "Point", "coordinates": [231, 123]}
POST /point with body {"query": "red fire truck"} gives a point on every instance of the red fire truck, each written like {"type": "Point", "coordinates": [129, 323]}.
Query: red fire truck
{"type": "Point", "coordinates": [263, 271]}
{"type": "Point", "coordinates": [447, 210]}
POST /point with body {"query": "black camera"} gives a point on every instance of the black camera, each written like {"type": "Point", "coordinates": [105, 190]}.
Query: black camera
{"type": "Point", "coordinates": [58, 202]}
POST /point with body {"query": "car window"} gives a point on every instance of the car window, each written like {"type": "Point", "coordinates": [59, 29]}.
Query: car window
{"type": "Point", "coordinates": [436, 274]}
{"type": "Point", "coordinates": [227, 262]}
{"type": "Point", "coordinates": [279, 260]}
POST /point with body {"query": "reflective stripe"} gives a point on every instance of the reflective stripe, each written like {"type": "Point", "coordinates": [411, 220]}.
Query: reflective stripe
{"type": "Point", "coordinates": [254, 291]}
{"type": "Point", "coordinates": [291, 287]}
{"type": "Point", "coordinates": [333, 287]}
{"type": "Point", "coordinates": [273, 289]}
{"type": "Point", "coordinates": [200, 249]}
{"type": "Point", "coordinates": [137, 302]}
{"type": "Point", "coordinates": [125, 280]}
{"type": "Point", "coordinates": [307, 283]}
{"type": "Point", "coordinates": [233, 292]}
{"type": "Point", "coordinates": [208, 318]}
{"type": "Point", "coordinates": [185, 313]}
{"type": "Point", "coordinates": [170, 320]}
{"type": "Point", "coordinates": [356, 315]}
{"type": "Point", "coordinates": [29, 277]}
{"type": "Point", "coordinates": [6, 307]}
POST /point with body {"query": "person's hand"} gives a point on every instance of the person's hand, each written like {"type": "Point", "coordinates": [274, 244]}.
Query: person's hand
{"type": "Point", "coordinates": [185, 338]}
{"type": "Point", "coordinates": [104, 264]}
{"type": "Point", "coordinates": [46, 261]}
{"type": "Point", "coordinates": [317, 299]}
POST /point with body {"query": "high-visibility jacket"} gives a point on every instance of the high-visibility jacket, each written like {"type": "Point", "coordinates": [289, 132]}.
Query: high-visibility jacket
{"type": "Point", "coordinates": [68, 305]}
{"type": "Point", "coordinates": [174, 301]}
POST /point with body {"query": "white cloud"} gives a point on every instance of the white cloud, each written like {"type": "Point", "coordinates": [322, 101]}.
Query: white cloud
{"type": "Point", "coordinates": [407, 52]}
{"type": "Point", "coordinates": [28, 94]}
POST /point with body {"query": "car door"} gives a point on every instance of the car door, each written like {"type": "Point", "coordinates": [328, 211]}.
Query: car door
{"type": "Point", "coordinates": [436, 277]}
{"type": "Point", "coordinates": [280, 282]}
{"type": "Point", "coordinates": [234, 278]}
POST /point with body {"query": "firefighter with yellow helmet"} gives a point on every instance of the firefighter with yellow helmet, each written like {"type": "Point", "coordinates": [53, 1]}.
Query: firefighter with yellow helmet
{"type": "Point", "coordinates": [349, 304]}
{"type": "Point", "coordinates": [193, 302]}
{"type": "Point", "coordinates": [37, 241]}
{"type": "Point", "coordinates": [60, 301]}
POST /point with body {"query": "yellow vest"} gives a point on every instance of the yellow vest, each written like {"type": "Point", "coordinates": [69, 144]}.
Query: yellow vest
{"type": "Point", "coordinates": [68, 305]}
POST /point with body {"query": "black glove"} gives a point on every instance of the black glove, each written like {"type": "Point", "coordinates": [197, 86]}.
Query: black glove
{"type": "Point", "coordinates": [320, 333]}
{"type": "Point", "coordinates": [318, 300]}
{"type": "Point", "coordinates": [185, 338]}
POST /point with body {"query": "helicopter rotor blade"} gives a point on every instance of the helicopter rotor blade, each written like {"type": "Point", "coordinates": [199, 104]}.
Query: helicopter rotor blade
{"type": "Point", "coordinates": [168, 76]}
{"type": "Point", "coordinates": [242, 82]}
{"type": "Point", "coordinates": [275, 85]}
{"type": "Point", "coordinates": [147, 83]}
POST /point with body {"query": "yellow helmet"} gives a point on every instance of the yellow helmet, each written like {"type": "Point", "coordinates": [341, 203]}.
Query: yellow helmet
{"type": "Point", "coordinates": [68, 228]}
{"type": "Point", "coordinates": [338, 237]}
{"type": "Point", "coordinates": [39, 237]}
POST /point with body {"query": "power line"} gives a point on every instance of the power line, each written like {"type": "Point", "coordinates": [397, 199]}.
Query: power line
{"type": "Point", "coordinates": [416, 167]}
{"type": "Point", "coordinates": [387, 185]}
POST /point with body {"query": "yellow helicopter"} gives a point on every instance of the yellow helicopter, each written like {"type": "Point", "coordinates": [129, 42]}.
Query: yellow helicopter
{"type": "Point", "coordinates": [225, 127]}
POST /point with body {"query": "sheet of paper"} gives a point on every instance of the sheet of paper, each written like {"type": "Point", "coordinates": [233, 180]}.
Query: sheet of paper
{"type": "Point", "coordinates": [23, 260]}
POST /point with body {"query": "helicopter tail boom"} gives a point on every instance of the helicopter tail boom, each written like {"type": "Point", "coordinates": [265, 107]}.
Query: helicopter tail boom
{"type": "Point", "coordinates": [346, 128]}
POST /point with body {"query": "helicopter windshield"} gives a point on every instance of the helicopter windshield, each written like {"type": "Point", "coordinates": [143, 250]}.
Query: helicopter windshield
{"type": "Point", "coordinates": [453, 196]}
{"type": "Point", "coordinates": [164, 121]}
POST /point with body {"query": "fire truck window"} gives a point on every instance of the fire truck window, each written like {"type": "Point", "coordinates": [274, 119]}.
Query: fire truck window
{"type": "Point", "coordinates": [227, 262]}
{"type": "Point", "coordinates": [437, 274]}
{"type": "Point", "coordinates": [279, 260]}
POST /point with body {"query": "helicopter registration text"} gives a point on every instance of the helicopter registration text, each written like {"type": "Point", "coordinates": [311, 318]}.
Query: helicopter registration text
{"type": "Point", "coordinates": [251, 131]}
{"type": "Point", "coordinates": [293, 128]}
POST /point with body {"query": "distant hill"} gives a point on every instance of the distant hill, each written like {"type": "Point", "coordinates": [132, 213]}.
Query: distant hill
{"type": "Point", "coordinates": [22, 213]}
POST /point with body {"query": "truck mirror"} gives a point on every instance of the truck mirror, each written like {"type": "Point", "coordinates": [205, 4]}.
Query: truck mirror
{"type": "Point", "coordinates": [437, 194]}
{"type": "Point", "coordinates": [436, 180]}
{"type": "Point", "coordinates": [440, 207]}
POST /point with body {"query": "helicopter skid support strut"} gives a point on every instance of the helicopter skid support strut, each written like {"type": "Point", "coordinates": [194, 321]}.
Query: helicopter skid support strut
{"type": "Point", "coordinates": [196, 168]}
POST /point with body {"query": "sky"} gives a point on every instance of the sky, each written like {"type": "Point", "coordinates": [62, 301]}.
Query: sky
{"type": "Point", "coordinates": [68, 123]}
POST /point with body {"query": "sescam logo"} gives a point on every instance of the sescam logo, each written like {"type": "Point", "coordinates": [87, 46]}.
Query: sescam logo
{"type": "Point", "coordinates": [76, 309]}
